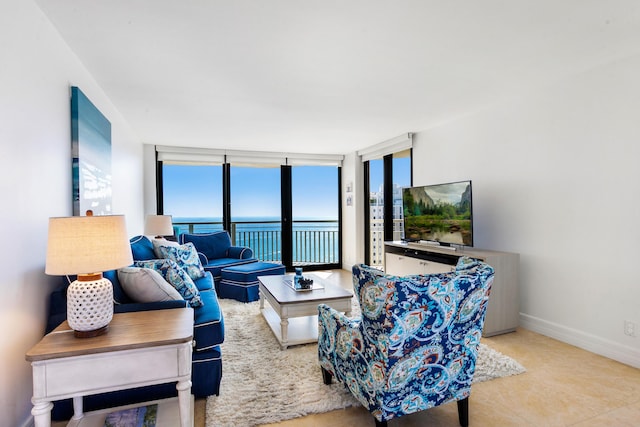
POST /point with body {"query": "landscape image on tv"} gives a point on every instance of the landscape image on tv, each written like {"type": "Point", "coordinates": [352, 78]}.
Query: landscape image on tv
{"type": "Point", "coordinates": [440, 213]}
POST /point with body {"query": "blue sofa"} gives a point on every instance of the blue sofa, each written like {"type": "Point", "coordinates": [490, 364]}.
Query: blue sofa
{"type": "Point", "coordinates": [216, 252]}
{"type": "Point", "coordinates": [208, 335]}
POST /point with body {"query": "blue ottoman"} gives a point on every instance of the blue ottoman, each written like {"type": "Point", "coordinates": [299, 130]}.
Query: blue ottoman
{"type": "Point", "coordinates": [240, 282]}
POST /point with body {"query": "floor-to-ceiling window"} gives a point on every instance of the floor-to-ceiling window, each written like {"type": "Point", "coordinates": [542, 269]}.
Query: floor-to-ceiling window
{"type": "Point", "coordinates": [376, 212]}
{"type": "Point", "coordinates": [316, 215]}
{"type": "Point", "coordinates": [401, 171]}
{"type": "Point", "coordinates": [192, 195]}
{"type": "Point", "coordinates": [285, 213]}
{"type": "Point", "coordinates": [387, 169]}
{"type": "Point", "coordinates": [256, 210]}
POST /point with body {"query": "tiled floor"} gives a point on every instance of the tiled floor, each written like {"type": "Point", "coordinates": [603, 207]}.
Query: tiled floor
{"type": "Point", "coordinates": [563, 386]}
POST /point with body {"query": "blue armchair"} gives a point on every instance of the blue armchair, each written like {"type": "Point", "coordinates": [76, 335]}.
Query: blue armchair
{"type": "Point", "coordinates": [216, 252]}
{"type": "Point", "coordinates": [416, 343]}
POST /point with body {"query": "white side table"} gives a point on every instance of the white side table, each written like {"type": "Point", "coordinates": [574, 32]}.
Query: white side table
{"type": "Point", "coordinates": [141, 348]}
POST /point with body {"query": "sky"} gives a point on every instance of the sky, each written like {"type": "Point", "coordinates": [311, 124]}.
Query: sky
{"type": "Point", "coordinates": [196, 191]}
{"type": "Point", "coordinates": [401, 173]}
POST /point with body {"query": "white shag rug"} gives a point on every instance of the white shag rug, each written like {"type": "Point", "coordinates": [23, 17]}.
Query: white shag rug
{"type": "Point", "coordinates": [262, 384]}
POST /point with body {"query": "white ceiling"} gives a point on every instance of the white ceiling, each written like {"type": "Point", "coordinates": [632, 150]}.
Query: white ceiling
{"type": "Point", "coordinates": [328, 76]}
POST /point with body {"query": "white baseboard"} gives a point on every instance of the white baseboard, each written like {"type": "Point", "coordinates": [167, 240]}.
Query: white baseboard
{"type": "Point", "coordinates": [618, 352]}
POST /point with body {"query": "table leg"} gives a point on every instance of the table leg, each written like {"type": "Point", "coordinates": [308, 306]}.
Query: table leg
{"type": "Point", "coordinates": [261, 296]}
{"type": "Point", "coordinates": [284, 332]}
{"type": "Point", "coordinates": [42, 414]}
{"type": "Point", "coordinates": [77, 408]}
{"type": "Point", "coordinates": [184, 403]}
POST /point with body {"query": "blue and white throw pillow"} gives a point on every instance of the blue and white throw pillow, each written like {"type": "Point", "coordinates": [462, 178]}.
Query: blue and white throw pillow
{"type": "Point", "coordinates": [186, 256]}
{"type": "Point", "coordinates": [161, 242]}
{"type": "Point", "coordinates": [177, 277]}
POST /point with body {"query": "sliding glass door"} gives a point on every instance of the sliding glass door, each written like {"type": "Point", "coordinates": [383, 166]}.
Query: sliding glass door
{"type": "Point", "coordinates": [315, 212]}
{"type": "Point", "coordinates": [192, 195]}
{"type": "Point", "coordinates": [287, 214]}
{"type": "Point", "coordinates": [256, 210]}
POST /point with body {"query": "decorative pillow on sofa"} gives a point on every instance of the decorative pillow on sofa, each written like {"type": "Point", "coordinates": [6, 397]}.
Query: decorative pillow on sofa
{"type": "Point", "coordinates": [142, 248]}
{"type": "Point", "coordinates": [177, 277]}
{"type": "Point", "coordinates": [186, 256]}
{"type": "Point", "coordinates": [146, 285]}
{"type": "Point", "coordinates": [159, 243]}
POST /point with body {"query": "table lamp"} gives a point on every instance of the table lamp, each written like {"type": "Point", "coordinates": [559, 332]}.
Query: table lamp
{"type": "Point", "coordinates": [87, 246]}
{"type": "Point", "coordinates": [158, 225]}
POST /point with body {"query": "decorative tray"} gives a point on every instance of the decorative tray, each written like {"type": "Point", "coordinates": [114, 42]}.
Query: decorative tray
{"type": "Point", "coordinates": [314, 286]}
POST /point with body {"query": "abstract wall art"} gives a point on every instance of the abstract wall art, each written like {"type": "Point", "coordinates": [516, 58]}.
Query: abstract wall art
{"type": "Point", "coordinates": [91, 156]}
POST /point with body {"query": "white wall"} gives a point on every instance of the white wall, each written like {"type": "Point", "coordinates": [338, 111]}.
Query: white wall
{"type": "Point", "coordinates": [352, 223]}
{"type": "Point", "coordinates": [556, 178]}
{"type": "Point", "coordinates": [35, 165]}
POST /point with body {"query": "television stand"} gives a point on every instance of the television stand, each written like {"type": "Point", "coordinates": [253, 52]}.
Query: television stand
{"type": "Point", "coordinates": [503, 311]}
{"type": "Point", "coordinates": [437, 244]}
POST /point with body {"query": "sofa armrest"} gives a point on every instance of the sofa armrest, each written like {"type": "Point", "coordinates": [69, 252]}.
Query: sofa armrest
{"type": "Point", "coordinates": [58, 301]}
{"type": "Point", "coordinates": [240, 252]}
{"type": "Point", "coordinates": [147, 306]}
{"type": "Point", "coordinates": [203, 258]}
{"type": "Point", "coordinates": [57, 307]}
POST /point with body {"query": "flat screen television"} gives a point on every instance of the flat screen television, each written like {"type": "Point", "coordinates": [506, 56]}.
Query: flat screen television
{"type": "Point", "coordinates": [439, 213]}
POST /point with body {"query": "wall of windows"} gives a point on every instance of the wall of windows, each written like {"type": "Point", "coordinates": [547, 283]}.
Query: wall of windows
{"type": "Point", "coordinates": [247, 200]}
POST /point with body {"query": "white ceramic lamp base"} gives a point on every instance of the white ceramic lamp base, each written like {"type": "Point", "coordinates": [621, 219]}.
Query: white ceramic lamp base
{"type": "Point", "coordinates": [89, 305]}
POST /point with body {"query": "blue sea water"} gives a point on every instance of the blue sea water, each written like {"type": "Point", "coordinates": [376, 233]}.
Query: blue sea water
{"type": "Point", "coordinates": [315, 240]}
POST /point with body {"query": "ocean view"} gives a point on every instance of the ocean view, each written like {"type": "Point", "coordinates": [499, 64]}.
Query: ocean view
{"type": "Point", "coordinates": [315, 240]}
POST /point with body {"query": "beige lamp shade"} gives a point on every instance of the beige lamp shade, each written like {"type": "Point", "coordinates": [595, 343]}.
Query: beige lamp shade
{"type": "Point", "coordinates": [158, 225]}
{"type": "Point", "coordinates": [87, 244]}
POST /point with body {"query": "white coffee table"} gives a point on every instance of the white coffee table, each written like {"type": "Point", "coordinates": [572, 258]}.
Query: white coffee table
{"type": "Point", "coordinates": [293, 315]}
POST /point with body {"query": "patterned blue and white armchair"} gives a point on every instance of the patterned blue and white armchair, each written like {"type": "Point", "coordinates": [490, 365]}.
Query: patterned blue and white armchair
{"type": "Point", "coordinates": [416, 343]}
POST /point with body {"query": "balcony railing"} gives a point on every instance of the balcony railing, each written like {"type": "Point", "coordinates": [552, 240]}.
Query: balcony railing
{"type": "Point", "coordinates": [314, 241]}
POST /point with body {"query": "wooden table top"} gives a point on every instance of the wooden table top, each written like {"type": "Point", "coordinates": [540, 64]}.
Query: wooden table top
{"type": "Point", "coordinates": [127, 331]}
{"type": "Point", "coordinates": [284, 294]}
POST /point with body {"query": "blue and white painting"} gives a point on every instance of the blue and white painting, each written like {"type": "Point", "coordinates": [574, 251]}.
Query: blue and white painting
{"type": "Point", "coordinates": [91, 152]}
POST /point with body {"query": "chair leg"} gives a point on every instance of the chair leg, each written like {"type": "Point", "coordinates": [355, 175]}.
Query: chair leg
{"type": "Point", "coordinates": [326, 376]}
{"type": "Point", "coordinates": [463, 412]}
{"type": "Point", "coordinates": [380, 423]}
